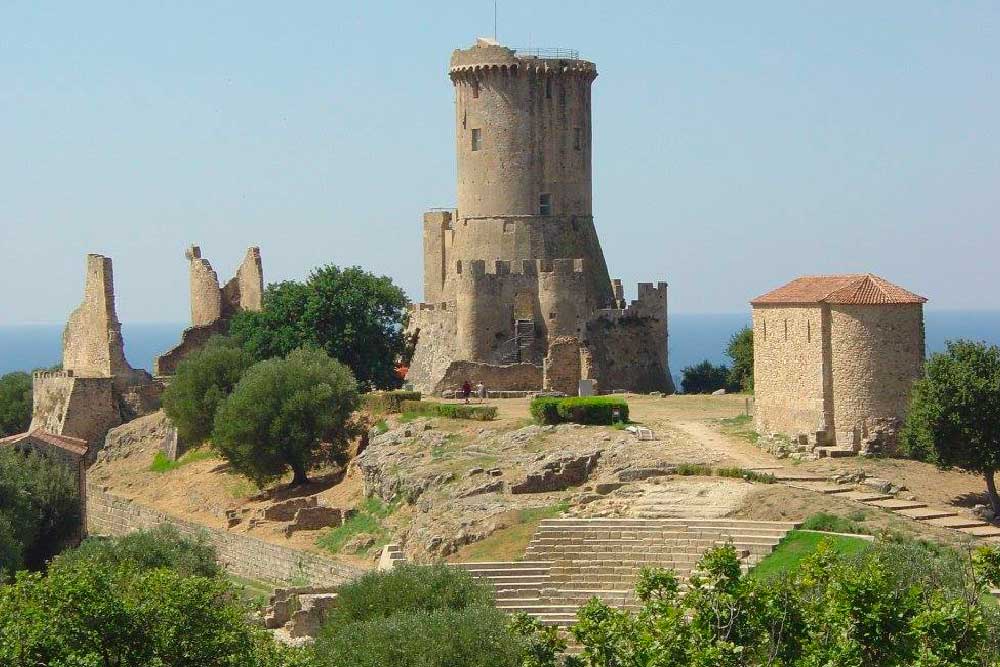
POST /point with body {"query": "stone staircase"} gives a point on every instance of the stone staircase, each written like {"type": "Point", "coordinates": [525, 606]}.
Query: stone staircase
{"type": "Point", "coordinates": [570, 561]}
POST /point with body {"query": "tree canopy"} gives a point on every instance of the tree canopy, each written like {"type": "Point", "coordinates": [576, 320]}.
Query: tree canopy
{"type": "Point", "coordinates": [355, 316]}
{"type": "Point", "coordinates": [287, 413]}
{"type": "Point", "coordinates": [15, 403]}
{"type": "Point", "coordinates": [39, 509]}
{"type": "Point", "coordinates": [954, 414]}
{"type": "Point", "coordinates": [740, 351]}
{"type": "Point", "coordinates": [203, 380]}
{"type": "Point", "coordinates": [703, 378]}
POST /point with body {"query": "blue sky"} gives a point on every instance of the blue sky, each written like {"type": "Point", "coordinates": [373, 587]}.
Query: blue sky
{"type": "Point", "coordinates": [736, 145]}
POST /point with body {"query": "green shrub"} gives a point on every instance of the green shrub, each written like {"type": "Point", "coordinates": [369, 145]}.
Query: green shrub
{"type": "Point", "coordinates": [475, 637]}
{"type": "Point", "coordinates": [832, 523]}
{"type": "Point", "coordinates": [704, 378]}
{"type": "Point", "coordinates": [387, 402]}
{"type": "Point", "coordinates": [579, 410]}
{"type": "Point", "coordinates": [405, 589]}
{"type": "Point", "coordinates": [689, 469]}
{"type": "Point", "coordinates": [162, 464]}
{"type": "Point", "coordinates": [15, 403]}
{"type": "Point", "coordinates": [748, 475]}
{"type": "Point", "coordinates": [162, 546]}
{"type": "Point", "coordinates": [483, 413]}
{"type": "Point", "coordinates": [368, 519]}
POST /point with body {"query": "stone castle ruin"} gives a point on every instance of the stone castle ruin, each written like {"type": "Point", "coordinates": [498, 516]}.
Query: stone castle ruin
{"type": "Point", "coordinates": [213, 306]}
{"type": "Point", "coordinates": [96, 389]}
{"type": "Point", "coordinates": [834, 360]}
{"type": "Point", "coordinates": [516, 289]}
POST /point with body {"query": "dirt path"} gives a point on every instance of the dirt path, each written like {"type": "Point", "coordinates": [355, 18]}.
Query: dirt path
{"type": "Point", "coordinates": [728, 449]}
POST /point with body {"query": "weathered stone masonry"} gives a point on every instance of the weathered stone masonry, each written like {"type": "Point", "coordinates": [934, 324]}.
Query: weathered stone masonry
{"type": "Point", "coordinates": [108, 514]}
{"type": "Point", "coordinates": [518, 267]}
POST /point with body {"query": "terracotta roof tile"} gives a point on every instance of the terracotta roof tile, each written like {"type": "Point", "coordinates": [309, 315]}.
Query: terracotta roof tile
{"type": "Point", "coordinates": [858, 288]}
{"type": "Point", "coordinates": [75, 445]}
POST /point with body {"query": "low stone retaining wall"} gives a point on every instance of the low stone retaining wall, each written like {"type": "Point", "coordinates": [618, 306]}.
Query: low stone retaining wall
{"type": "Point", "coordinates": [244, 556]}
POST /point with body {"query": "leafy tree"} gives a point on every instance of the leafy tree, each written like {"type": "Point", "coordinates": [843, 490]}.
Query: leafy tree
{"type": "Point", "coordinates": [433, 616]}
{"type": "Point", "coordinates": [954, 415]}
{"type": "Point", "coordinates": [203, 380]}
{"type": "Point", "coordinates": [355, 316]}
{"type": "Point", "coordinates": [703, 378]}
{"type": "Point", "coordinates": [39, 509]}
{"type": "Point", "coordinates": [102, 615]}
{"type": "Point", "coordinates": [287, 413]}
{"type": "Point", "coordinates": [15, 403]}
{"type": "Point", "coordinates": [740, 350]}
{"type": "Point", "coordinates": [159, 547]}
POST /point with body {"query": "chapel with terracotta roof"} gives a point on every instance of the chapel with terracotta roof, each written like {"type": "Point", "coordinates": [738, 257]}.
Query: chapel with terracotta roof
{"type": "Point", "coordinates": [835, 357]}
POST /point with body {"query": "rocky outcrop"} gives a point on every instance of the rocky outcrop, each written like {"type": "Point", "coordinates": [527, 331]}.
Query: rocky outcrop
{"type": "Point", "coordinates": [559, 473]}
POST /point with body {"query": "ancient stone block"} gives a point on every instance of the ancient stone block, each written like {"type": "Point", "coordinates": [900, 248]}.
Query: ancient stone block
{"type": "Point", "coordinates": [561, 369]}
{"type": "Point", "coordinates": [286, 509]}
{"type": "Point", "coordinates": [559, 473]}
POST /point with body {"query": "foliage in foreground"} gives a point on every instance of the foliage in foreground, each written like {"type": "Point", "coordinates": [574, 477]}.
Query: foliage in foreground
{"type": "Point", "coordinates": [870, 610]}
{"type": "Point", "coordinates": [39, 509]}
{"type": "Point", "coordinates": [287, 413]}
{"type": "Point", "coordinates": [15, 403]}
{"type": "Point", "coordinates": [432, 616]}
{"type": "Point", "coordinates": [387, 402]}
{"type": "Point", "coordinates": [353, 315]}
{"type": "Point", "coordinates": [203, 381]}
{"type": "Point", "coordinates": [954, 414]}
{"type": "Point", "coordinates": [579, 409]}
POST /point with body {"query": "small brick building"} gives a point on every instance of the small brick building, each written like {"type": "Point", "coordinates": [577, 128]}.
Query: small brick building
{"type": "Point", "coordinates": [835, 357]}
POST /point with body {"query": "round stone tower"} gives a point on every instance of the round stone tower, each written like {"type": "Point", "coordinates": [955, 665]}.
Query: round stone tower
{"type": "Point", "coordinates": [522, 131]}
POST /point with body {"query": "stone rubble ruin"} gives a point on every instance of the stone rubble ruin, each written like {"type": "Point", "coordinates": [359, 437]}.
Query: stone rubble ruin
{"type": "Point", "coordinates": [516, 288]}
{"type": "Point", "coordinates": [212, 306]}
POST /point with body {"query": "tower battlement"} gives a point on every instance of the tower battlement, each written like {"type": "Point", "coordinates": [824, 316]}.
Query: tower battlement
{"type": "Point", "coordinates": [526, 267]}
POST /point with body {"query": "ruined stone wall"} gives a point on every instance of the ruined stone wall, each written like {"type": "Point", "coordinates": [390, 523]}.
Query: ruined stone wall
{"type": "Point", "coordinates": [437, 328]}
{"type": "Point", "coordinates": [877, 353]}
{"type": "Point", "coordinates": [245, 290]}
{"type": "Point", "coordinates": [73, 406]}
{"type": "Point", "coordinates": [92, 339]}
{"type": "Point", "coordinates": [241, 555]}
{"type": "Point", "coordinates": [561, 370]}
{"type": "Point", "coordinates": [206, 299]}
{"type": "Point", "coordinates": [437, 225]}
{"type": "Point", "coordinates": [789, 368]}
{"type": "Point", "coordinates": [513, 377]}
{"type": "Point", "coordinates": [192, 338]}
{"type": "Point", "coordinates": [533, 122]}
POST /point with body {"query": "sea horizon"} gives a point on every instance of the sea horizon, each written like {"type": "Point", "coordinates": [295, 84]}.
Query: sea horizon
{"type": "Point", "coordinates": [693, 337]}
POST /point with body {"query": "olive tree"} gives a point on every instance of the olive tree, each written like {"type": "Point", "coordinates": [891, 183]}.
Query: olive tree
{"type": "Point", "coordinates": [954, 415]}
{"type": "Point", "coordinates": [287, 413]}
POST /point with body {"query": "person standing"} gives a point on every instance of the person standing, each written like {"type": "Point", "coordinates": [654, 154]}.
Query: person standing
{"type": "Point", "coordinates": [481, 391]}
{"type": "Point", "coordinates": [466, 390]}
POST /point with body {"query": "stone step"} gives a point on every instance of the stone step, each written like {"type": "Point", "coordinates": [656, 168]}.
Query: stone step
{"type": "Point", "coordinates": [835, 452]}
{"type": "Point", "coordinates": [788, 525]}
{"type": "Point", "coordinates": [927, 513]}
{"type": "Point", "coordinates": [792, 476]}
{"type": "Point", "coordinates": [865, 496]}
{"type": "Point", "coordinates": [957, 521]}
{"type": "Point", "coordinates": [982, 531]}
{"type": "Point", "coordinates": [825, 488]}
{"type": "Point", "coordinates": [492, 565]}
{"type": "Point", "coordinates": [539, 608]}
{"type": "Point", "coordinates": [897, 504]}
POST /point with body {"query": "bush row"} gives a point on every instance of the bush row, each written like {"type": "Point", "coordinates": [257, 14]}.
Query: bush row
{"type": "Point", "coordinates": [483, 413]}
{"type": "Point", "coordinates": [579, 409]}
{"type": "Point", "coordinates": [387, 402]}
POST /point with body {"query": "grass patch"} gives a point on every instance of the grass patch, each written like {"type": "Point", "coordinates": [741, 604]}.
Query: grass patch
{"type": "Point", "coordinates": [688, 469]}
{"type": "Point", "coordinates": [508, 544]}
{"type": "Point", "coordinates": [162, 464]}
{"type": "Point", "coordinates": [253, 591]}
{"type": "Point", "coordinates": [748, 475]}
{"type": "Point", "coordinates": [799, 544]}
{"type": "Point", "coordinates": [370, 518]}
{"type": "Point", "coordinates": [242, 488]}
{"type": "Point", "coordinates": [483, 413]}
{"type": "Point", "coordinates": [833, 523]}
{"type": "Point", "coordinates": [382, 426]}
{"type": "Point", "coordinates": [740, 427]}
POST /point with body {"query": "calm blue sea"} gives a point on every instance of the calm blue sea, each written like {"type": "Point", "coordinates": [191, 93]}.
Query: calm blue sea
{"type": "Point", "coordinates": [693, 337]}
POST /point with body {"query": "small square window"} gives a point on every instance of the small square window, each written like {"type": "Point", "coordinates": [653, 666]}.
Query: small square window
{"type": "Point", "coordinates": [545, 204]}
{"type": "Point", "coordinates": [577, 139]}
{"type": "Point", "coordinates": [475, 89]}
{"type": "Point", "coordinates": [477, 139]}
